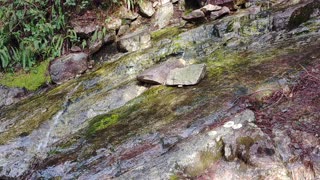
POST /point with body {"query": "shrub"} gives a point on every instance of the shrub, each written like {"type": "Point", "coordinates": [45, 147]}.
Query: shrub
{"type": "Point", "coordinates": [35, 30]}
{"type": "Point", "coordinates": [30, 30]}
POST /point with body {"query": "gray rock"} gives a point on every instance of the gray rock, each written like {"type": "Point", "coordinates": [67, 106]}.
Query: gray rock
{"type": "Point", "coordinates": [189, 75]}
{"type": "Point", "coordinates": [194, 15]}
{"type": "Point", "coordinates": [123, 29]}
{"type": "Point", "coordinates": [10, 96]}
{"type": "Point", "coordinates": [125, 13]}
{"type": "Point", "coordinates": [292, 17]}
{"type": "Point", "coordinates": [136, 23]}
{"type": "Point", "coordinates": [216, 14]}
{"type": "Point", "coordinates": [84, 30]}
{"type": "Point", "coordinates": [95, 47]}
{"type": "Point", "coordinates": [68, 66]}
{"type": "Point", "coordinates": [228, 153]}
{"type": "Point", "coordinates": [114, 24]}
{"type": "Point", "coordinates": [135, 41]}
{"type": "Point", "coordinates": [146, 8]}
{"type": "Point", "coordinates": [163, 16]}
{"type": "Point", "coordinates": [159, 73]}
{"type": "Point", "coordinates": [210, 7]}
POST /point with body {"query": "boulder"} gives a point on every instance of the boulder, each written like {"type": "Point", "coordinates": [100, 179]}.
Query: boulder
{"type": "Point", "coordinates": [114, 24]}
{"type": "Point", "coordinates": [162, 16]}
{"type": "Point", "coordinates": [68, 67]}
{"type": "Point", "coordinates": [189, 75]}
{"type": "Point", "coordinates": [194, 15]}
{"type": "Point", "coordinates": [135, 41]}
{"type": "Point", "coordinates": [146, 8]}
{"type": "Point", "coordinates": [217, 14]}
{"type": "Point", "coordinates": [125, 13]}
{"type": "Point", "coordinates": [84, 30]}
{"type": "Point", "coordinates": [85, 25]}
{"type": "Point", "coordinates": [159, 73]}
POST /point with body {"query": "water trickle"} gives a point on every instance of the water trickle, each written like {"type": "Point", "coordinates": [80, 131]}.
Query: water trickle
{"type": "Point", "coordinates": [56, 119]}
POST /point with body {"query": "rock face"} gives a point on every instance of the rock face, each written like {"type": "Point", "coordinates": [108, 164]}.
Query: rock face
{"type": "Point", "coordinates": [107, 126]}
{"type": "Point", "coordinates": [217, 14]}
{"type": "Point", "coordinates": [146, 8]}
{"type": "Point", "coordinates": [189, 75]}
{"type": "Point", "coordinates": [10, 96]}
{"type": "Point", "coordinates": [135, 41]}
{"type": "Point", "coordinates": [159, 73]}
{"type": "Point", "coordinates": [163, 16]}
{"type": "Point", "coordinates": [68, 67]}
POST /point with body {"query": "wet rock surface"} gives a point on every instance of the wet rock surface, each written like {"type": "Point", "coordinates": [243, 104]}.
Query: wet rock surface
{"type": "Point", "coordinates": [254, 114]}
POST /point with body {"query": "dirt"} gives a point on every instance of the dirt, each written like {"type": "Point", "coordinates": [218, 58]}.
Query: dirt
{"type": "Point", "coordinates": [295, 110]}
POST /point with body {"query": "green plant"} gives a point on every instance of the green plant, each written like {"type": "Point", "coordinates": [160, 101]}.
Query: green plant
{"type": "Point", "coordinates": [98, 35]}
{"type": "Point", "coordinates": [33, 30]}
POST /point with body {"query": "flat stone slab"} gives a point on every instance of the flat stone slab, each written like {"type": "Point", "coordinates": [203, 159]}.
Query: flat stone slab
{"type": "Point", "coordinates": [210, 7]}
{"type": "Point", "coordinates": [194, 15]}
{"type": "Point", "coordinates": [159, 73]}
{"type": "Point", "coordinates": [189, 75]}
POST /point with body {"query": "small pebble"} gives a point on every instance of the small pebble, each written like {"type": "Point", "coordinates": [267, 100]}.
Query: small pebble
{"type": "Point", "coordinates": [228, 124]}
{"type": "Point", "coordinates": [237, 126]}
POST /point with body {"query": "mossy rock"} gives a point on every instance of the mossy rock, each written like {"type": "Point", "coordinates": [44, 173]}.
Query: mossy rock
{"type": "Point", "coordinates": [302, 15]}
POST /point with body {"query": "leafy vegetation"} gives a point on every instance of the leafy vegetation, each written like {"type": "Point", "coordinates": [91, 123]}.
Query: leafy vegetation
{"type": "Point", "coordinates": [30, 31]}
{"type": "Point", "coordinates": [35, 30]}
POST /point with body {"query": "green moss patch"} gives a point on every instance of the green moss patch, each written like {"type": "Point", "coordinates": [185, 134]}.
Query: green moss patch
{"type": "Point", "coordinates": [30, 114]}
{"type": "Point", "coordinates": [206, 159]}
{"type": "Point", "coordinates": [32, 80]}
{"type": "Point", "coordinates": [165, 33]}
{"type": "Point", "coordinates": [102, 122]}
